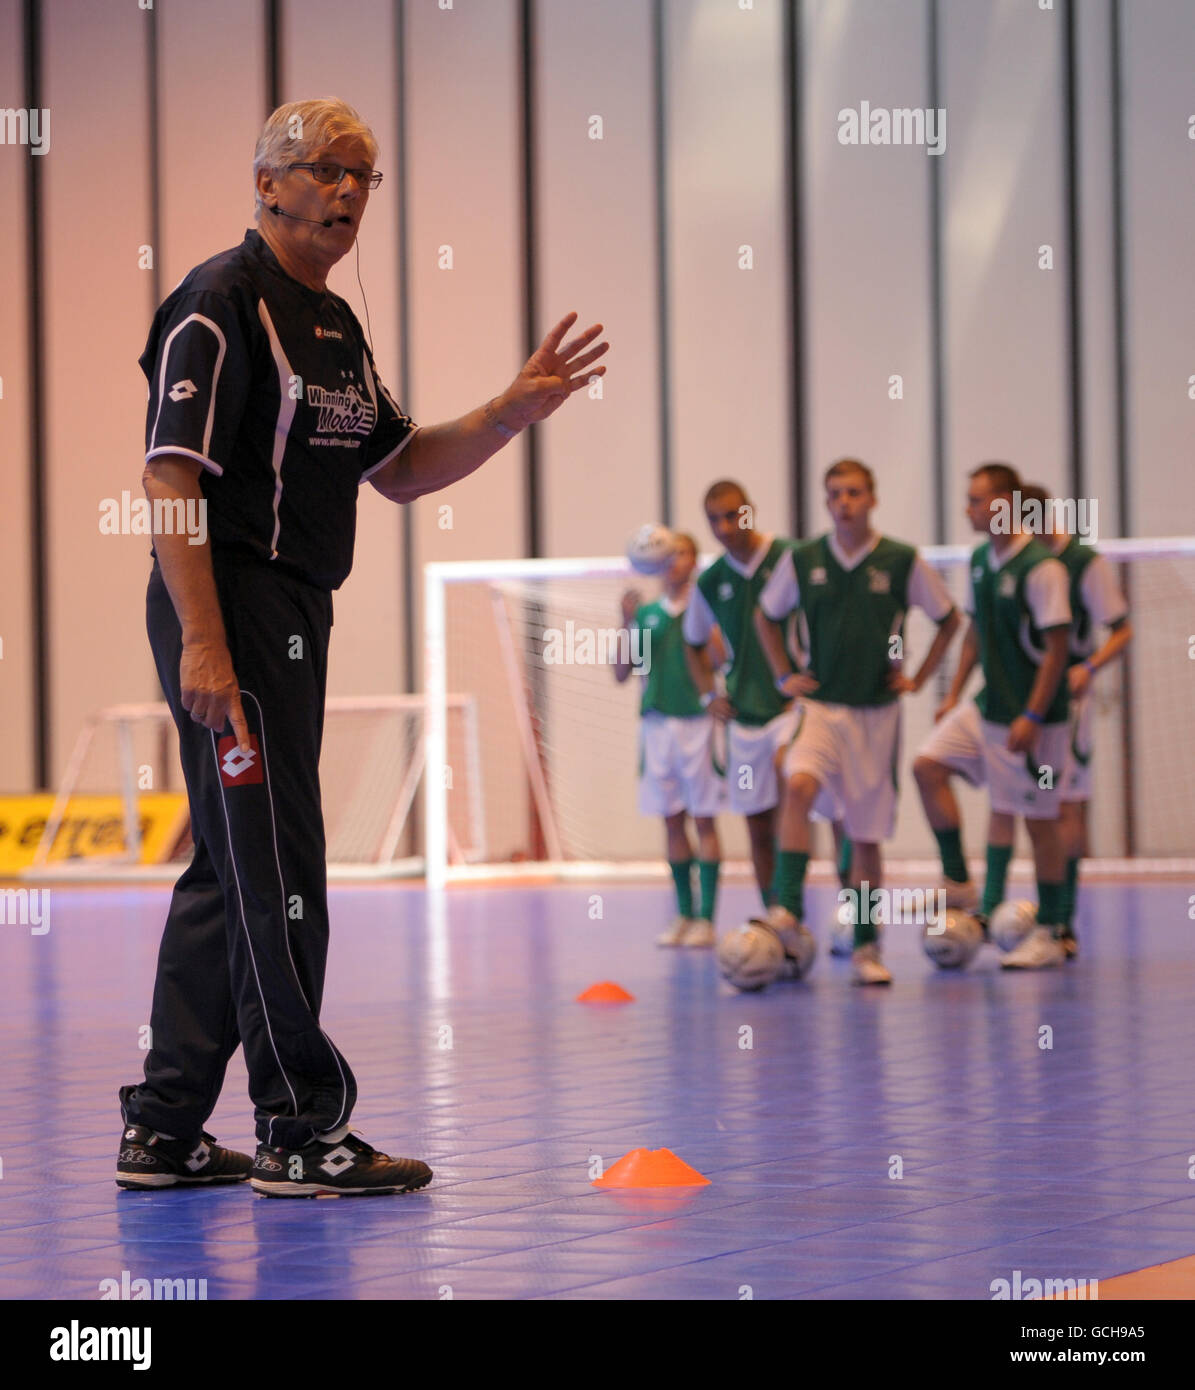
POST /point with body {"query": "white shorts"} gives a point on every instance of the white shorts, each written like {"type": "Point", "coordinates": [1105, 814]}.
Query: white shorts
{"type": "Point", "coordinates": [978, 750]}
{"type": "Point", "coordinates": [854, 754]}
{"type": "Point", "coordinates": [1076, 775]}
{"type": "Point", "coordinates": [676, 766]}
{"type": "Point", "coordinates": [751, 781]}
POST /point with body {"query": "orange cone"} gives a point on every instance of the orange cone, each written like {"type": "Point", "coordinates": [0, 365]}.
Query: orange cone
{"type": "Point", "coordinates": [651, 1168]}
{"type": "Point", "coordinates": [605, 992]}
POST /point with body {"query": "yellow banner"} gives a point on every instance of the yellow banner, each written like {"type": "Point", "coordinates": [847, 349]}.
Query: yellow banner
{"type": "Point", "coordinates": [93, 828]}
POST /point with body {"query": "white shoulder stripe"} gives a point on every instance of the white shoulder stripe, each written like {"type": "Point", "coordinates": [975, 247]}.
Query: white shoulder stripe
{"type": "Point", "coordinates": [286, 413]}
{"type": "Point", "coordinates": [211, 404]}
{"type": "Point", "coordinates": [210, 464]}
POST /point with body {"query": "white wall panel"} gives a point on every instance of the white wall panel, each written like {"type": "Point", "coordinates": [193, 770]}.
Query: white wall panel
{"type": "Point", "coordinates": [207, 145]}
{"type": "Point", "coordinates": [867, 262]}
{"type": "Point", "coordinates": [1007, 370]}
{"type": "Point", "coordinates": [597, 254]}
{"type": "Point", "coordinates": [97, 312]}
{"type": "Point", "coordinates": [464, 147]}
{"type": "Point", "coordinates": [729, 335]}
{"type": "Point", "coordinates": [1158, 58]}
{"type": "Point", "coordinates": [367, 651]}
{"type": "Point", "coordinates": [466, 322]}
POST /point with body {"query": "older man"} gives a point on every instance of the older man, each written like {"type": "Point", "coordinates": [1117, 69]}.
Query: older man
{"type": "Point", "coordinates": [264, 402]}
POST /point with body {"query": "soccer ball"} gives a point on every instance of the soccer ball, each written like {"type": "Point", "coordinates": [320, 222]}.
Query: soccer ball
{"type": "Point", "coordinates": [651, 548]}
{"type": "Point", "coordinates": [956, 946]}
{"type": "Point", "coordinates": [842, 929]}
{"type": "Point", "coordinates": [751, 956]}
{"type": "Point", "coordinates": [800, 949]}
{"type": "Point", "coordinates": [1012, 922]}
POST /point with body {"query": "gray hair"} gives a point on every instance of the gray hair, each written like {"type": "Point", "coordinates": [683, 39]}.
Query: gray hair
{"type": "Point", "coordinates": [295, 131]}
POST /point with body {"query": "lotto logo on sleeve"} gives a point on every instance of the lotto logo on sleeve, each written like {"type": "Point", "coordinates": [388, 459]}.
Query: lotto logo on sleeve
{"type": "Point", "coordinates": [238, 768]}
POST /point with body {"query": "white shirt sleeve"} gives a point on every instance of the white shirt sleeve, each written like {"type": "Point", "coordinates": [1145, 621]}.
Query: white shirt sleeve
{"type": "Point", "coordinates": [1047, 592]}
{"type": "Point", "coordinates": [928, 590]}
{"type": "Point", "coordinates": [781, 594]}
{"type": "Point", "coordinates": [1102, 594]}
{"type": "Point", "coordinates": [699, 621]}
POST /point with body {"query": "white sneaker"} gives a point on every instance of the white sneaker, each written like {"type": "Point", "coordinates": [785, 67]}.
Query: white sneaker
{"type": "Point", "coordinates": [867, 968]}
{"type": "Point", "coordinates": [800, 945]}
{"type": "Point", "coordinates": [700, 933]}
{"type": "Point", "coordinates": [963, 897]}
{"type": "Point", "coordinates": [1038, 950]}
{"type": "Point", "coordinates": [676, 933]}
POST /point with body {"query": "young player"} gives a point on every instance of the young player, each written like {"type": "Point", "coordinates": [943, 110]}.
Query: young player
{"type": "Point", "coordinates": [758, 717]}
{"type": "Point", "coordinates": [1097, 602]}
{"type": "Point", "coordinates": [851, 588]}
{"type": "Point", "coordinates": [1013, 735]}
{"type": "Point", "coordinates": [677, 772]}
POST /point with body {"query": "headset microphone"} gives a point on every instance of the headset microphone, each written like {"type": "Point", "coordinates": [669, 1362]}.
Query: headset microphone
{"type": "Point", "coordinates": [280, 212]}
{"type": "Point", "coordinates": [327, 222]}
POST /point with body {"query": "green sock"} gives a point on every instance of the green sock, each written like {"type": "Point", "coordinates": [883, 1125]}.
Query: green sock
{"type": "Point", "coordinates": [788, 887]}
{"type": "Point", "coordinates": [1070, 894]}
{"type": "Point", "coordinates": [682, 876]}
{"type": "Point", "coordinates": [865, 932]}
{"type": "Point", "coordinates": [707, 874]}
{"type": "Point", "coordinates": [844, 864]}
{"type": "Point", "coordinates": [993, 888]}
{"type": "Point", "coordinates": [950, 843]}
{"type": "Point", "coordinates": [1049, 905]}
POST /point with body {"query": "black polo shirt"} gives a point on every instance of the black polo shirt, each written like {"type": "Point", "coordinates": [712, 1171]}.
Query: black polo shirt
{"type": "Point", "coordinates": [272, 388]}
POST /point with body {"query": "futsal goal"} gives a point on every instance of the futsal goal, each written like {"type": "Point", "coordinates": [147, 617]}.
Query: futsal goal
{"type": "Point", "coordinates": [532, 643]}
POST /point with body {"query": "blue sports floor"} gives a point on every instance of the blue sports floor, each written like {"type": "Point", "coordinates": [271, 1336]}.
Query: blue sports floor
{"type": "Point", "coordinates": [1067, 1161]}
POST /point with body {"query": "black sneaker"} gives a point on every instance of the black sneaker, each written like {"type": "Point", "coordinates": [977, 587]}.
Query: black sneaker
{"type": "Point", "coordinates": [147, 1160]}
{"type": "Point", "coordinates": [985, 922]}
{"type": "Point", "coordinates": [1070, 943]}
{"type": "Point", "coordinates": [348, 1167]}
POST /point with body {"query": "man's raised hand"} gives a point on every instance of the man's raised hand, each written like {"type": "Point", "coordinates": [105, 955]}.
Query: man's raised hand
{"type": "Point", "coordinates": [552, 373]}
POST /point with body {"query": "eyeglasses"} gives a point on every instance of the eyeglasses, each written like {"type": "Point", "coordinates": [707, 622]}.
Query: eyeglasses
{"type": "Point", "coordinates": [334, 173]}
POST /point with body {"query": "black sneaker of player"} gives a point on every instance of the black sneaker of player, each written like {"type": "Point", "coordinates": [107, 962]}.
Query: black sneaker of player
{"type": "Point", "coordinates": [985, 922]}
{"type": "Point", "coordinates": [348, 1167]}
{"type": "Point", "coordinates": [1070, 942]}
{"type": "Point", "coordinates": [147, 1160]}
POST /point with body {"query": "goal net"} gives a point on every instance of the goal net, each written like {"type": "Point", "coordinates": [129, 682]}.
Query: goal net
{"type": "Point", "coordinates": [371, 762]}
{"type": "Point", "coordinates": [533, 644]}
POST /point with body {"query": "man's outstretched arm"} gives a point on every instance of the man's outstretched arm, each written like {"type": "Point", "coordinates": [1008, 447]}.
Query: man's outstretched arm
{"type": "Point", "coordinates": [439, 455]}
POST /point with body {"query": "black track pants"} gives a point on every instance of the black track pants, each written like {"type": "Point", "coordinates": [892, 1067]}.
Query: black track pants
{"type": "Point", "coordinates": [243, 953]}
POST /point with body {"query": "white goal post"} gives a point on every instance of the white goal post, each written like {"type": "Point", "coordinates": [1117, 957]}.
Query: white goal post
{"type": "Point", "coordinates": [531, 641]}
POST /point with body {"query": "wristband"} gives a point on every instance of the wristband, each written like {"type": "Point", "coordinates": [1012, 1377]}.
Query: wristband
{"type": "Point", "coordinates": [1034, 718]}
{"type": "Point", "coordinates": [708, 698]}
{"type": "Point", "coordinates": [780, 682]}
{"type": "Point", "coordinates": [1090, 667]}
{"type": "Point", "coordinates": [491, 419]}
